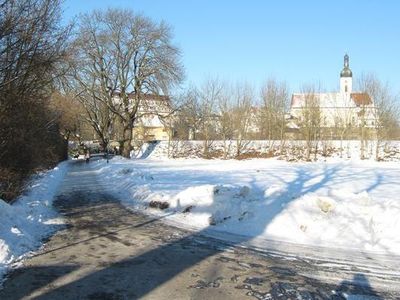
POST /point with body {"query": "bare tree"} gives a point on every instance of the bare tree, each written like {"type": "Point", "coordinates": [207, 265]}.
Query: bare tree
{"type": "Point", "coordinates": [171, 118]}
{"type": "Point", "coordinates": [99, 117]}
{"type": "Point", "coordinates": [226, 122]}
{"type": "Point", "coordinates": [187, 119]}
{"type": "Point", "coordinates": [381, 113]}
{"type": "Point", "coordinates": [125, 56]}
{"type": "Point", "coordinates": [242, 116]}
{"type": "Point", "coordinates": [32, 49]}
{"type": "Point", "coordinates": [344, 121]}
{"type": "Point", "coordinates": [275, 102]}
{"type": "Point", "coordinates": [70, 113]}
{"type": "Point", "coordinates": [208, 97]}
{"type": "Point", "coordinates": [310, 120]}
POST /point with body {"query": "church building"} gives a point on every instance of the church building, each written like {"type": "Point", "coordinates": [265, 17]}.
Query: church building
{"type": "Point", "coordinates": [344, 108]}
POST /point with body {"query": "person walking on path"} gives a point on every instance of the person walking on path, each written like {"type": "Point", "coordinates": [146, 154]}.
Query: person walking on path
{"type": "Point", "coordinates": [87, 155]}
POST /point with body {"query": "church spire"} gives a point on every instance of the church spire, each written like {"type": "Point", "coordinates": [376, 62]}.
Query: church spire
{"type": "Point", "coordinates": [346, 78]}
{"type": "Point", "coordinates": [346, 61]}
{"type": "Point", "coordinates": [346, 72]}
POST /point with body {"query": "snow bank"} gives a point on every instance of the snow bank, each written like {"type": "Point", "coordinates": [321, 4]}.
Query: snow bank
{"type": "Point", "coordinates": [205, 205]}
{"type": "Point", "coordinates": [213, 204]}
{"type": "Point", "coordinates": [342, 205]}
{"type": "Point", "coordinates": [31, 218]}
{"type": "Point", "coordinates": [342, 220]}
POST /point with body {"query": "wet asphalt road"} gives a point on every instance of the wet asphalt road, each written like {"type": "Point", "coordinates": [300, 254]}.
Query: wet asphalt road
{"type": "Point", "coordinates": [109, 252]}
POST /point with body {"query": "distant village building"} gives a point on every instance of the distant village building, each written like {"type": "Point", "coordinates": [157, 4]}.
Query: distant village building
{"type": "Point", "coordinates": [344, 108]}
{"type": "Point", "coordinates": [154, 123]}
{"type": "Point", "coordinates": [154, 118]}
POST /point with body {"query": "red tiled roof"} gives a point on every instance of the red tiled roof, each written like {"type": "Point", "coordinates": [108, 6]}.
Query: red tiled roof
{"type": "Point", "coordinates": [361, 98]}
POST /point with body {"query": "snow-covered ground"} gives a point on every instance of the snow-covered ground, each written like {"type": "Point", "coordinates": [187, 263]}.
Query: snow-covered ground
{"type": "Point", "coordinates": [25, 223]}
{"type": "Point", "coordinates": [341, 204]}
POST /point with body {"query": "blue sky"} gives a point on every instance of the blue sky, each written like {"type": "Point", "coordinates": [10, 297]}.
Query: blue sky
{"type": "Point", "coordinates": [300, 42]}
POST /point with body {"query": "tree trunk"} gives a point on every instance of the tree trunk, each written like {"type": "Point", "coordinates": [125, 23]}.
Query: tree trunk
{"type": "Point", "coordinates": [205, 148]}
{"type": "Point", "coordinates": [282, 136]}
{"type": "Point", "coordinates": [127, 143]}
{"type": "Point", "coordinates": [239, 146]}
{"type": "Point", "coordinates": [362, 148]}
{"type": "Point", "coordinates": [341, 146]}
{"type": "Point", "coordinates": [377, 145]}
{"type": "Point", "coordinates": [225, 147]}
{"type": "Point", "coordinates": [104, 143]}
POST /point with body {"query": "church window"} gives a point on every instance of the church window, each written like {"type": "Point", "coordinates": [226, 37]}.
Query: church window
{"type": "Point", "coordinates": [345, 88]}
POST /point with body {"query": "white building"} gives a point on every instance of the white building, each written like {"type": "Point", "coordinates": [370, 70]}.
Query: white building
{"type": "Point", "coordinates": [338, 109]}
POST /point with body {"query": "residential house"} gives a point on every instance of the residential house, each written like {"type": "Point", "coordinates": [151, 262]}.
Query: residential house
{"type": "Point", "coordinates": [154, 121]}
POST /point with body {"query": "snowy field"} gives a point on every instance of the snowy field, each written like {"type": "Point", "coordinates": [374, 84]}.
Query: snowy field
{"type": "Point", "coordinates": [25, 224]}
{"type": "Point", "coordinates": [345, 205]}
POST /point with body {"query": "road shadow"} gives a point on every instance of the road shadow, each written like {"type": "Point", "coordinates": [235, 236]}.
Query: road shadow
{"type": "Point", "coordinates": [32, 278]}
{"type": "Point", "coordinates": [358, 288]}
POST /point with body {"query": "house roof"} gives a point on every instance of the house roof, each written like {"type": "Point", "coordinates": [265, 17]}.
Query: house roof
{"type": "Point", "coordinates": [361, 98]}
{"type": "Point", "coordinates": [153, 97]}
{"type": "Point", "coordinates": [320, 99]}
{"type": "Point", "coordinates": [331, 99]}
{"type": "Point", "coordinates": [147, 96]}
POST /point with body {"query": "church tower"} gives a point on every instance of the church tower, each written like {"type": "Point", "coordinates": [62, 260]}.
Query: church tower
{"type": "Point", "coordinates": [346, 78]}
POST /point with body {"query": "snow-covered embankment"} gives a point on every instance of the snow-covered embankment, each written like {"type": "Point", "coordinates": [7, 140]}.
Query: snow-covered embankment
{"type": "Point", "coordinates": [25, 223]}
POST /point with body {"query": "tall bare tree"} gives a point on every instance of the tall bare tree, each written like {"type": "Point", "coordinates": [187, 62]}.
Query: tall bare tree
{"type": "Point", "coordinates": [344, 121]}
{"type": "Point", "coordinates": [275, 102]}
{"type": "Point", "coordinates": [208, 97]}
{"type": "Point", "coordinates": [382, 114]}
{"type": "Point", "coordinates": [124, 56]}
{"type": "Point", "coordinates": [243, 117]}
{"type": "Point", "coordinates": [32, 49]}
{"type": "Point", "coordinates": [226, 121]}
{"type": "Point", "coordinates": [310, 119]}
{"type": "Point", "coordinates": [187, 120]}
{"type": "Point", "coordinates": [71, 115]}
{"type": "Point", "coordinates": [99, 116]}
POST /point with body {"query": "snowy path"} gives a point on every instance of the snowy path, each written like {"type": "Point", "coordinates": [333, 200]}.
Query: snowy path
{"type": "Point", "coordinates": [110, 252]}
